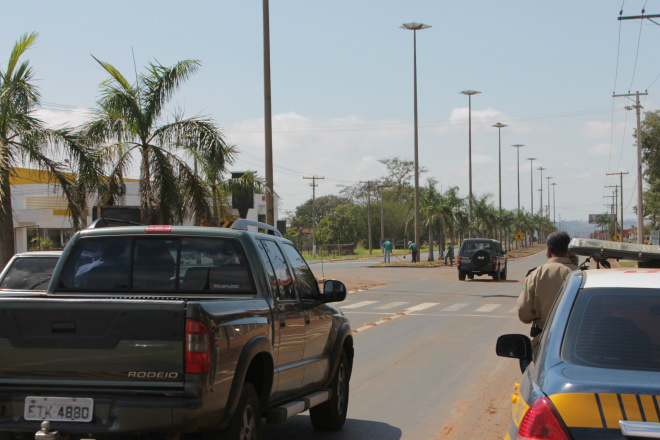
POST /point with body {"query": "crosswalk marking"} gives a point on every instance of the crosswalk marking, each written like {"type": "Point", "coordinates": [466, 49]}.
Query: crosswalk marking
{"type": "Point", "coordinates": [455, 307]}
{"type": "Point", "coordinates": [487, 308]}
{"type": "Point", "coordinates": [358, 305]}
{"type": "Point", "coordinates": [420, 307]}
{"type": "Point", "coordinates": [392, 305]}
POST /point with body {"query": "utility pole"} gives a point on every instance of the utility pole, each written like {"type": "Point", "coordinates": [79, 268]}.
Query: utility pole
{"type": "Point", "coordinates": [314, 185]}
{"type": "Point", "coordinates": [640, 202]}
{"type": "Point", "coordinates": [368, 183]}
{"type": "Point", "coordinates": [620, 173]}
{"type": "Point", "coordinates": [614, 210]}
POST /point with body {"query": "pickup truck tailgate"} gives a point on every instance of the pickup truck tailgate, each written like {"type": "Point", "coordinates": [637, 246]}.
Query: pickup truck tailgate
{"type": "Point", "coordinates": [100, 342]}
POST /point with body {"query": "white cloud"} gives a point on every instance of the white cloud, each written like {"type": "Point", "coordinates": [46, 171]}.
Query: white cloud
{"type": "Point", "coordinates": [56, 119]}
{"type": "Point", "coordinates": [596, 129]}
{"type": "Point", "coordinates": [601, 150]}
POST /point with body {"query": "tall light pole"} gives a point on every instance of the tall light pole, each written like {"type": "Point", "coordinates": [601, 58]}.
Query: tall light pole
{"type": "Point", "coordinates": [531, 177]}
{"type": "Point", "coordinates": [469, 94]}
{"type": "Point", "coordinates": [416, 27]}
{"type": "Point", "coordinates": [517, 147]}
{"type": "Point", "coordinates": [499, 127]}
{"type": "Point", "coordinates": [554, 204]}
{"type": "Point", "coordinates": [541, 189]}
{"type": "Point", "coordinates": [268, 126]}
{"type": "Point", "coordinates": [548, 196]}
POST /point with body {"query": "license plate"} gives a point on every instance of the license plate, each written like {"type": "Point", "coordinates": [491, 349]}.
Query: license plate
{"type": "Point", "coordinates": [60, 409]}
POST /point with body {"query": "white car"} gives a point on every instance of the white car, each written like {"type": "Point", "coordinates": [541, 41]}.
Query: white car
{"type": "Point", "coordinates": [29, 271]}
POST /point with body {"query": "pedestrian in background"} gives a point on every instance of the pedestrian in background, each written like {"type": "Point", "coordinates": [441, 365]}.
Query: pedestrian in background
{"type": "Point", "coordinates": [449, 253]}
{"type": "Point", "coordinates": [387, 248]}
{"type": "Point", "coordinates": [413, 251]}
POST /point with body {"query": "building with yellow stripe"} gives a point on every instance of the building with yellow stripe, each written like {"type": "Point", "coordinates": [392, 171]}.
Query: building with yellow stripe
{"type": "Point", "coordinates": [42, 217]}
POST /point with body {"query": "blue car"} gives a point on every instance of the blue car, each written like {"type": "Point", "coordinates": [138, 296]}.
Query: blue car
{"type": "Point", "coordinates": [596, 371]}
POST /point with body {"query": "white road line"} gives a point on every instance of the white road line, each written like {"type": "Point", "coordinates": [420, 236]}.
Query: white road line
{"type": "Point", "coordinates": [392, 305]}
{"type": "Point", "coordinates": [488, 308]}
{"type": "Point", "coordinates": [514, 309]}
{"type": "Point", "coordinates": [455, 307]}
{"type": "Point", "coordinates": [359, 304]}
{"type": "Point", "coordinates": [420, 307]}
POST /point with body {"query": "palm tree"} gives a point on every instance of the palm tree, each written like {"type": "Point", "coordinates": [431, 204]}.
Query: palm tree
{"type": "Point", "coordinates": [484, 216]}
{"type": "Point", "coordinates": [450, 204]}
{"type": "Point", "coordinates": [130, 126]}
{"type": "Point", "coordinates": [213, 168]}
{"type": "Point", "coordinates": [430, 201]}
{"type": "Point", "coordinates": [25, 140]}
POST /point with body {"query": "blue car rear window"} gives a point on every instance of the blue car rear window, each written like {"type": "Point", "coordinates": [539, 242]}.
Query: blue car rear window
{"type": "Point", "coordinates": [615, 328]}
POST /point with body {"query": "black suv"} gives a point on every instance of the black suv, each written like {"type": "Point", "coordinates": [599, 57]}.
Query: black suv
{"type": "Point", "coordinates": [481, 256]}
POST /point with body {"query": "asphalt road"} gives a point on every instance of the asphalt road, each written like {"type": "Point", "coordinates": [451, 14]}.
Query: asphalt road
{"type": "Point", "coordinates": [425, 366]}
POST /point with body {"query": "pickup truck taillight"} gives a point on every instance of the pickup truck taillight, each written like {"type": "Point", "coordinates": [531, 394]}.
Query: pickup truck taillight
{"type": "Point", "coordinates": [198, 347]}
{"type": "Point", "coordinates": [494, 261]}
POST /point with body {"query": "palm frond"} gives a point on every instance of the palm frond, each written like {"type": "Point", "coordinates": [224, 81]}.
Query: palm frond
{"type": "Point", "coordinates": [20, 47]}
{"type": "Point", "coordinates": [162, 82]}
{"type": "Point", "coordinates": [115, 74]}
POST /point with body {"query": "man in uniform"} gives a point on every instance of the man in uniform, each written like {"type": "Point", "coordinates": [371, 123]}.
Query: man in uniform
{"type": "Point", "coordinates": [543, 283]}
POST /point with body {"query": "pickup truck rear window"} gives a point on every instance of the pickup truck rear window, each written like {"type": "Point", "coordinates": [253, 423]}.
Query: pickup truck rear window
{"type": "Point", "coordinates": [29, 273]}
{"type": "Point", "coordinates": [157, 264]}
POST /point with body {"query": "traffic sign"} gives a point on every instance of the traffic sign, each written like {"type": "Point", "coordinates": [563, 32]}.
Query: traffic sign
{"type": "Point", "coordinates": [617, 237]}
{"type": "Point", "coordinates": [519, 237]}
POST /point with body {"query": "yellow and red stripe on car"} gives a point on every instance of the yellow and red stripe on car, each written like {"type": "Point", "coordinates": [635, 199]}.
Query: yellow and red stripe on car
{"type": "Point", "coordinates": [604, 410]}
{"type": "Point", "coordinates": [594, 410]}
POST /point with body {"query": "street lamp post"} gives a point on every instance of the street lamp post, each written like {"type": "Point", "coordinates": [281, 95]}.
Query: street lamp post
{"type": "Point", "coordinates": [499, 127]}
{"type": "Point", "coordinates": [548, 196]}
{"type": "Point", "coordinates": [416, 27]}
{"type": "Point", "coordinates": [541, 190]}
{"type": "Point", "coordinates": [518, 146]}
{"type": "Point", "coordinates": [531, 177]}
{"type": "Point", "coordinates": [469, 94]}
{"type": "Point", "coordinates": [554, 204]}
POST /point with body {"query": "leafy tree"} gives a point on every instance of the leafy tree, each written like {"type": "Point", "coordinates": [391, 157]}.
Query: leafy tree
{"type": "Point", "coordinates": [24, 139]}
{"type": "Point", "coordinates": [341, 225]}
{"type": "Point", "coordinates": [129, 126]}
{"type": "Point", "coordinates": [304, 218]}
{"type": "Point", "coordinates": [650, 127]}
{"type": "Point", "coordinates": [400, 174]}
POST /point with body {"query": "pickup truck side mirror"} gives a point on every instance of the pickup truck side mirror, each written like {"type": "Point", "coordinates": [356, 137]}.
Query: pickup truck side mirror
{"type": "Point", "coordinates": [515, 346]}
{"type": "Point", "coordinates": [334, 291]}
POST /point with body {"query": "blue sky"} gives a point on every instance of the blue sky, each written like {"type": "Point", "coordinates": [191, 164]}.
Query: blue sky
{"type": "Point", "coordinates": [342, 85]}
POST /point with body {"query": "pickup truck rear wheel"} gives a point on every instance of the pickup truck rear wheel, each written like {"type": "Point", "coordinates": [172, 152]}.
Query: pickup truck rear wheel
{"type": "Point", "coordinates": [246, 423]}
{"type": "Point", "coordinates": [461, 275]}
{"type": "Point", "coordinates": [331, 415]}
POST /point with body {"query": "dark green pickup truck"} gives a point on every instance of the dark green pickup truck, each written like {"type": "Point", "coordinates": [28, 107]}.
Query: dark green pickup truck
{"type": "Point", "coordinates": [174, 330]}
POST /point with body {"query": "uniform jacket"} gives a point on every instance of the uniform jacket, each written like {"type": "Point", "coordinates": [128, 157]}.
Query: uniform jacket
{"type": "Point", "coordinates": [540, 290]}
